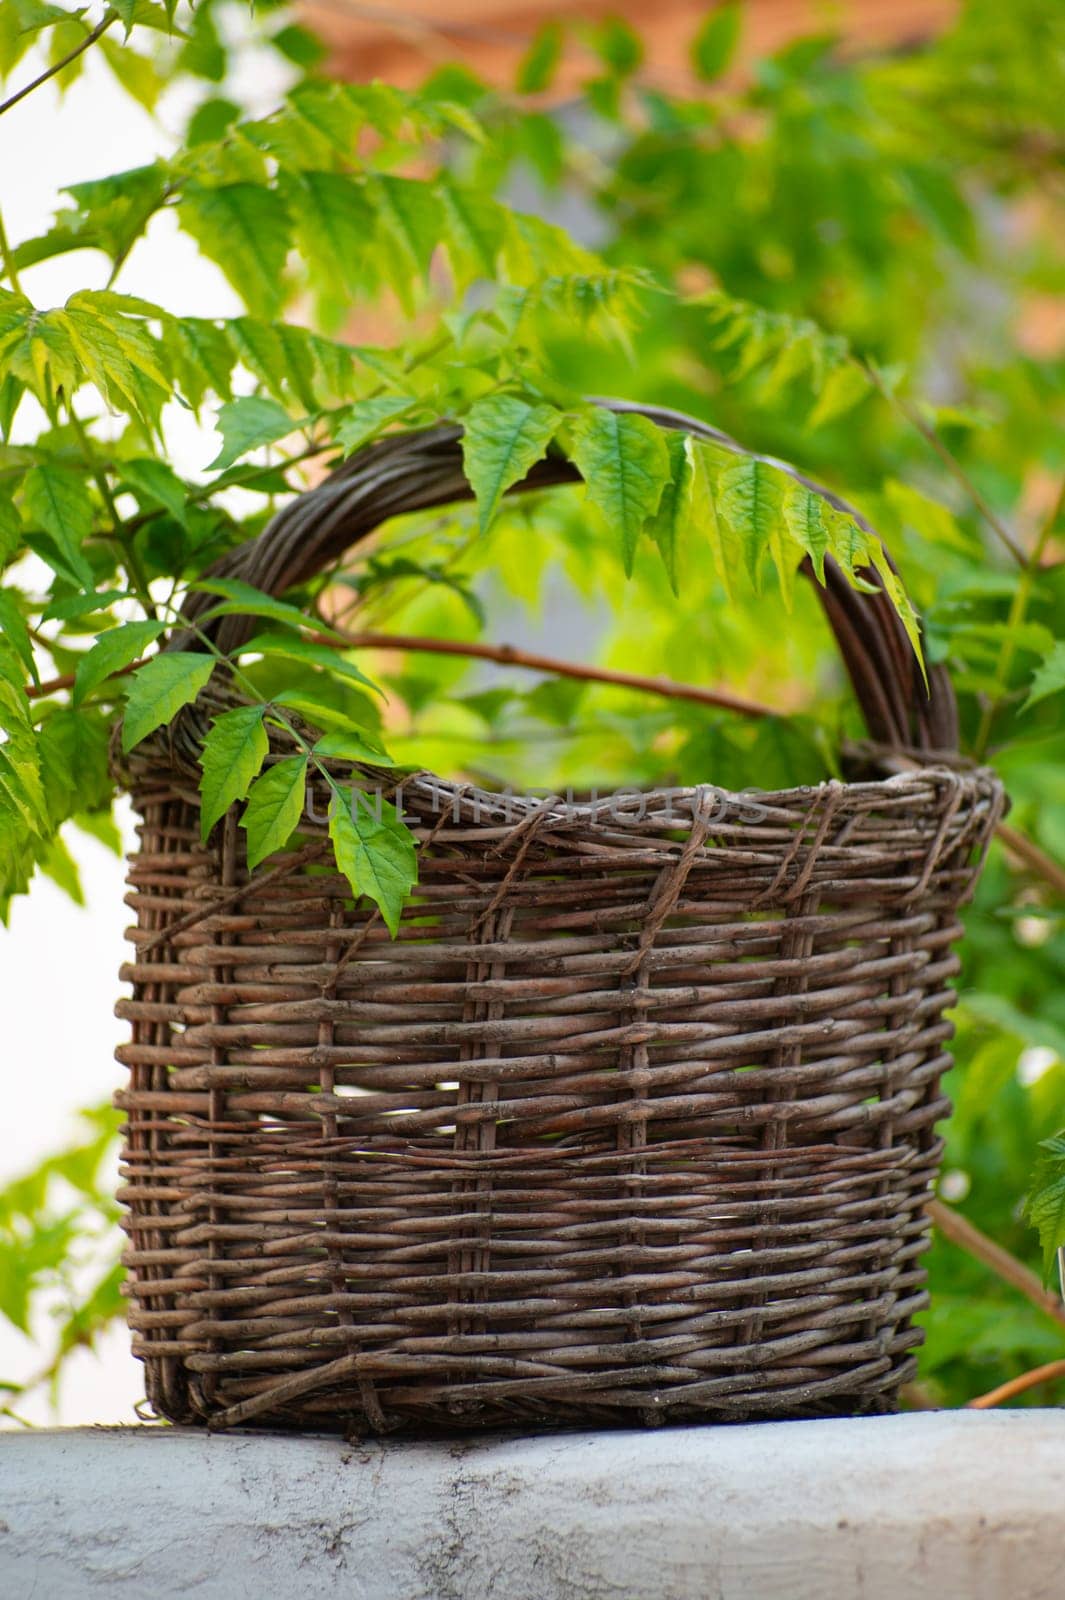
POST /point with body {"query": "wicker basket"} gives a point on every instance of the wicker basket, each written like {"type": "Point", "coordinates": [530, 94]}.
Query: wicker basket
{"type": "Point", "coordinates": [634, 1121]}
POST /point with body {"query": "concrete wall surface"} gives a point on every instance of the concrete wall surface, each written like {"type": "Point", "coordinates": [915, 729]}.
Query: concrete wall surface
{"type": "Point", "coordinates": [929, 1506]}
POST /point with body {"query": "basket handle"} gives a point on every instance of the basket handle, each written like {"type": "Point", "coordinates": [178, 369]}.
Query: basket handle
{"type": "Point", "coordinates": [418, 470]}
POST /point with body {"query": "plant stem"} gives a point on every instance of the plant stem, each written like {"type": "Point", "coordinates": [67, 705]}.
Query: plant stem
{"type": "Point", "coordinates": [960, 1231]}
{"type": "Point", "coordinates": [950, 461]}
{"type": "Point", "coordinates": [8, 259]}
{"type": "Point", "coordinates": [138, 577]}
{"type": "Point", "coordinates": [507, 655]}
{"type": "Point", "coordinates": [108, 19]}
{"type": "Point", "coordinates": [1018, 611]}
{"type": "Point", "coordinates": [1029, 852]}
{"type": "Point", "coordinates": [1015, 1386]}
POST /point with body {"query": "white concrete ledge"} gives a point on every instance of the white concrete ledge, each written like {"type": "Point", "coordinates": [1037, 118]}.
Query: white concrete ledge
{"type": "Point", "coordinates": [942, 1506]}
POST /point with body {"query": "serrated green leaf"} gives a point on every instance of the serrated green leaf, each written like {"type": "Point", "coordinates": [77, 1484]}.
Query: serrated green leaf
{"type": "Point", "coordinates": [280, 356]}
{"type": "Point", "coordinates": [57, 500]}
{"type": "Point", "coordinates": [503, 438]}
{"type": "Point", "coordinates": [725, 548]}
{"type": "Point", "coordinates": [13, 629]}
{"type": "Point", "coordinates": [333, 222]}
{"type": "Point", "coordinates": [1050, 677]}
{"type": "Point", "coordinates": [293, 648]}
{"type": "Point", "coordinates": [274, 808]}
{"type": "Point", "coordinates": [112, 651]}
{"type": "Point", "coordinates": [748, 497]}
{"type": "Point", "coordinates": [356, 744]}
{"type": "Point", "coordinates": [247, 424]}
{"type": "Point", "coordinates": [806, 515]}
{"type": "Point", "coordinates": [81, 605]}
{"type": "Point", "coordinates": [367, 418]}
{"type": "Point", "coordinates": [153, 481]}
{"type": "Point", "coordinates": [714, 46]}
{"type": "Point", "coordinates": [476, 229]}
{"type": "Point", "coordinates": [241, 599]}
{"type": "Point", "coordinates": [1045, 1207]}
{"type": "Point", "coordinates": [671, 521]}
{"type": "Point", "coordinates": [246, 230]}
{"type": "Point", "coordinates": [624, 461]}
{"type": "Point", "coordinates": [410, 218]}
{"type": "Point", "coordinates": [233, 753]}
{"type": "Point", "coordinates": [374, 852]}
{"type": "Point", "coordinates": [159, 689]}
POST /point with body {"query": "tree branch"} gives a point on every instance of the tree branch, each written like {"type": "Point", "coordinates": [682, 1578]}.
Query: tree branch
{"type": "Point", "coordinates": [109, 18]}
{"type": "Point", "coordinates": [953, 1226]}
{"type": "Point", "coordinates": [508, 655]}
{"type": "Point", "coordinates": [1028, 851]}
{"type": "Point", "coordinates": [1015, 1386]}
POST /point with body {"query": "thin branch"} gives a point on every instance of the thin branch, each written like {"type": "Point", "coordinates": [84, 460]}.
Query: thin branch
{"type": "Point", "coordinates": [1019, 845]}
{"type": "Point", "coordinates": [7, 260]}
{"type": "Point", "coordinates": [508, 655]}
{"type": "Point", "coordinates": [952, 464]}
{"type": "Point", "coordinates": [37, 691]}
{"type": "Point", "coordinates": [101, 27]}
{"type": "Point", "coordinates": [953, 1226]}
{"type": "Point", "coordinates": [1018, 612]}
{"type": "Point", "coordinates": [1027, 1380]}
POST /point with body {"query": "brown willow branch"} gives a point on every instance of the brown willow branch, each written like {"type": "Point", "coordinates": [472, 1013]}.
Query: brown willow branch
{"type": "Point", "coordinates": [37, 691]}
{"type": "Point", "coordinates": [1027, 1380]}
{"type": "Point", "coordinates": [953, 1226]}
{"type": "Point", "coordinates": [508, 655]}
{"type": "Point", "coordinates": [109, 18]}
{"type": "Point", "coordinates": [1026, 850]}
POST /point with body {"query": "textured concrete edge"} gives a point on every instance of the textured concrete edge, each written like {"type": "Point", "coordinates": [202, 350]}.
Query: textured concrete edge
{"type": "Point", "coordinates": [942, 1505]}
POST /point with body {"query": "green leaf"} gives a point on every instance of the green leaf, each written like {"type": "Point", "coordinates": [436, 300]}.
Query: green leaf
{"type": "Point", "coordinates": [503, 438]}
{"type": "Point", "coordinates": [617, 46]}
{"type": "Point", "coordinates": [844, 387]}
{"type": "Point", "coordinates": [153, 481]}
{"type": "Point", "coordinates": [160, 688]}
{"type": "Point", "coordinates": [274, 809]}
{"type": "Point", "coordinates": [13, 629]}
{"type": "Point", "coordinates": [81, 605]}
{"type": "Point", "coordinates": [57, 500]}
{"type": "Point", "coordinates": [715, 43]}
{"type": "Point", "coordinates": [355, 744]}
{"type": "Point", "coordinates": [248, 424]}
{"type": "Point", "coordinates": [246, 229]}
{"type": "Point", "coordinates": [808, 518]}
{"type": "Point", "coordinates": [538, 65]}
{"type": "Point", "coordinates": [112, 651]}
{"type": "Point", "coordinates": [625, 463]}
{"type": "Point", "coordinates": [241, 599]}
{"type": "Point", "coordinates": [673, 517]}
{"type": "Point", "coordinates": [233, 752]}
{"type": "Point", "coordinates": [375, 853]}
{"type": "Point", "coordinates": [1050, 678]}
{"type": "Point", "coordinates": [294, 648]}
{"type": "Point", "coordinates": [58, 864]}
{"type": "Point", "coordinates": [333, 222]}
{"type": "Point", "coordinates": [1045, 1208]}
{"type": "Point", "coordinates": [476, 230]}
{"type": "Point", "coordinates": [366, 418]}
{"type": "Point", "coordinates": [410, 219]}
{"type": "Point", "coordinates": [750, 503]}
{"type": "Point", "coordinates": [137, 74]}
